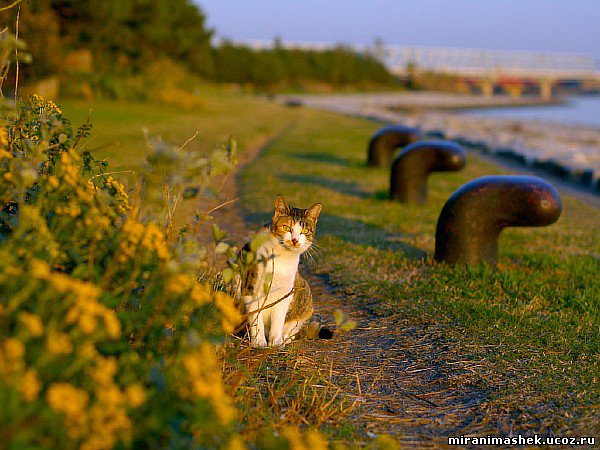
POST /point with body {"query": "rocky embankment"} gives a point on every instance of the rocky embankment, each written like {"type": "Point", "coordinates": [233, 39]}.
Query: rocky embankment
{"type": "Point", "coordinates": [569, 152]}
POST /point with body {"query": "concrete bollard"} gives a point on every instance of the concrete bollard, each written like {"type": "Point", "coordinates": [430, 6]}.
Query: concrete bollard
{"type": "Point", "coordinates": [473, 217]}
{"type": "Point", "coordinates": [410, 169]}
{"type": "Point", "coordinates": [384, 143]}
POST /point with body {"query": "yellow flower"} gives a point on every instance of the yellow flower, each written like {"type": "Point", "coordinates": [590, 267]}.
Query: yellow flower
{"type": "Point", "coordinates": [313, 439]}
{"type": "Point", "coordinates": [87, 323]}
{"type": "Point", "coordinates": [179, 283]}
{"type": "Point", "coordinates": [136, 395]}
{"type": "Point", "coordinates": [236, 443]}
{"type": "Point", "coordinates": [112, 324]}
{"type": "Point", "coordinates": [64, 283]}
{"type": "Point", "coordinates": [294, 438]}
{"type": "Point", "coordinates": [117, 190]}
{"type": "Point", "coordinates": [59, 343]}
{"type": "Point", "coordinates": [316, 441]}
{"type": "Point", "coordinates": [222, 407]}
{"type": "Point", "coordinates": [74, 209]}
{"type": "Point", "coordinates": [104, 370]}
{"type": "Point", "coordinates": [84, 195]}
{"type": "Point", "coordinates": [110, 396]}
{"type": "Point", "coordinates": [231, 316]}
{"type": "Point", "coordinates": [107, 426]}
{"type": "Point", "coordinates": [14, 349]}
{"type": "Point", "coordinates": [39, 269]}
{"type": "Point", "coordinates": [68, 399]}
{"type": "Point", "coordinates": [205, 380]}
{"type": "Point", "coordinates": [87, 350]}
{"type": "Point", "coordinates": [29, 385]}
{"type": "Point", "coordinates": [154, 240]}
{"type": "Point", "coordinates": [53, 181]}
{"type": "Point", "coordinates": [33, 323]}
{"type": "Point", "coordinates": [52, 107]}
{"type": "Point", "coordinates": [3, 137]}
{"type": "Point", "coordinates": [385, 442]}
{"type": "Point", "coordinates": [200, 294]}
{"type": "Point", "coordinates": [96, 442]}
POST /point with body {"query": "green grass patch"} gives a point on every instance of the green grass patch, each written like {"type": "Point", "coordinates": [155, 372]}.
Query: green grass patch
{"type": "Point", "coordinates": [540, 311]}
{"type": "Point", "coordinates": [119, 127]}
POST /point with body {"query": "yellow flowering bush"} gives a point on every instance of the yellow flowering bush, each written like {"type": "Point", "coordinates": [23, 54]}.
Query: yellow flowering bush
{"type": "Point", "coordinates": [111, 323]}
{"type": "Point", "coordinates": [107, 338]}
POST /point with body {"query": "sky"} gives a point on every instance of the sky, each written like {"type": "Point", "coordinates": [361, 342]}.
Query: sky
{"type": "Point", "coordinates": [571, 26]}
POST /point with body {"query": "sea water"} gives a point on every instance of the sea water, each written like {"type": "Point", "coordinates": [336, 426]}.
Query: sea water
{"type": "Point", "coordinates": [580, 110]}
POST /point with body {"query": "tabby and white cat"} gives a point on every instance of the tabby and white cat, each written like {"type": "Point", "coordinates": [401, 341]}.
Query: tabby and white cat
{"type": "Point", "coordinates": [289, 234]}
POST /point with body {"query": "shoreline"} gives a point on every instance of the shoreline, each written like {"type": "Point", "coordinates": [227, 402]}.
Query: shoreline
{"type": "Point", "coordinates": [522, 103]}
{"type": "Point", "coordinates": [423, 100]}
{"type": "Point", "coordinates": [569, 153]}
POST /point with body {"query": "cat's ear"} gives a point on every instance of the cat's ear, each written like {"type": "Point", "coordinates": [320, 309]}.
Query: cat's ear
{"type": "Point", "coordinates": [313, 212]}
{"type": "Point", "coordinates": [281, 207]}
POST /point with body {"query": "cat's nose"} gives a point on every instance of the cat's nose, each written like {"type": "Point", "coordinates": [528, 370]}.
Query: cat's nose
{"type": "Point", "coordinates": [295, 242]}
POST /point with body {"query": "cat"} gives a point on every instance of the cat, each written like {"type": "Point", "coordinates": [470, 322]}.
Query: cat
{"type": "Point", "coordinates": [278, 305]}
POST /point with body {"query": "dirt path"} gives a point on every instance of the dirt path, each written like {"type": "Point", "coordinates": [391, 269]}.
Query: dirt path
{"type": "Point", "coordinates": [230, 217]}
{"type": "Point", "coordinates": [404, 378]}
{"type": "Point", "coordinates": [405, 375]}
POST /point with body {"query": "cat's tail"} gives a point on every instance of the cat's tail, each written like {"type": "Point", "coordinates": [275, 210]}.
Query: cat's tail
{"type": "Point", "coordinates": [325, 332]}
{"type": "Point", "coordinates": [318, 330]}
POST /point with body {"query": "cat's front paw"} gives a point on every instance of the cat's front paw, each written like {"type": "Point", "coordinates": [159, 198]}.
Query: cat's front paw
{"type": "Point", "coordinates": [258, 342]}
{"type": "Point", "coordinates": [277, 342]}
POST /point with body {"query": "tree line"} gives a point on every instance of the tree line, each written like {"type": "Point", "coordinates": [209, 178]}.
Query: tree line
{"type": "Point", "coordinates": [338, 66]}
{"type": "Point", "coordinates": [125, 36]}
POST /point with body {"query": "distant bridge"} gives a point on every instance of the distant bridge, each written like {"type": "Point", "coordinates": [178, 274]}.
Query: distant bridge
{"type": "Point", "coordinates": [473, 61]}
{"type": "Point", "coordinates": [512, 70]}
{"type": "Point", "coordinates": [487, 70]}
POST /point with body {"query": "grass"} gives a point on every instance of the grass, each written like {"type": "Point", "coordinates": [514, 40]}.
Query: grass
{"type": "Point", "coordinates": [532, 326]}
{"type": "Point", "coordinates": [118, 127]}
{"type": "Point", "coordinates": [539, 312]}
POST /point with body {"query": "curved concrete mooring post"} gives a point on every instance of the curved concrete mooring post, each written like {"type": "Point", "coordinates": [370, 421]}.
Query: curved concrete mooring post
{"type": "Point", "coordinates": [384, 143]}
{"type": "Point", "coordinates": [473, 217]}
{"type": "Point", "coordinates": [410, 169]}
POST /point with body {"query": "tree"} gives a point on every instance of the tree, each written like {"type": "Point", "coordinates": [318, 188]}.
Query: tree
{"type": "Point", "coordinates": [39, 28]}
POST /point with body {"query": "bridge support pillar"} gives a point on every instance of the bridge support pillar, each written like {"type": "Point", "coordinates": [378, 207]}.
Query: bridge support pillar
{"type": "Point", "coordinates": [546, 89]}
{"type": "Point", "coordinates": [515, 91]}
{"type": "Point", "coordinates": [487, 88]}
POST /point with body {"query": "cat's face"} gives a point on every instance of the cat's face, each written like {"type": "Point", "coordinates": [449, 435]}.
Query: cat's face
{"type": "Point", "coordinates": [294, 228]}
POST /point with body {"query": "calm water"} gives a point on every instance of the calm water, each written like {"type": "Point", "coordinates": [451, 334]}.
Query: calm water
{"type": "Point", "coordinates": [584, 110]}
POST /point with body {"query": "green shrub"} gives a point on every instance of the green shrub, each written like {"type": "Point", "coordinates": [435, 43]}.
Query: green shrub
{"type": "Point", "coordinates": [163, 81]}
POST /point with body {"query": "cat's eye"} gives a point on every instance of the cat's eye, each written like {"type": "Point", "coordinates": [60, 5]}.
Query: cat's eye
{"type": "Point", "coordinates": [286, 228]}
{"type": "Point", "coordinates": [305, 230]}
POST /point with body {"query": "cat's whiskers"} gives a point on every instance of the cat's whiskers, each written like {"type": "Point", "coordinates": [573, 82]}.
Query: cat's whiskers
{"type": "Point", "coordinates": [316, 249]}
{"type": "Point", "coordinates": [312, 255]}
{"type": "Point", "coordinates": [316, 245]}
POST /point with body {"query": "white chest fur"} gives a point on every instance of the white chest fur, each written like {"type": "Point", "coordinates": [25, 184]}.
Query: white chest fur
{"type": "Point", "coordinates": [283, 265]}
{"type": "Point", "coordinates": [273, 294]}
